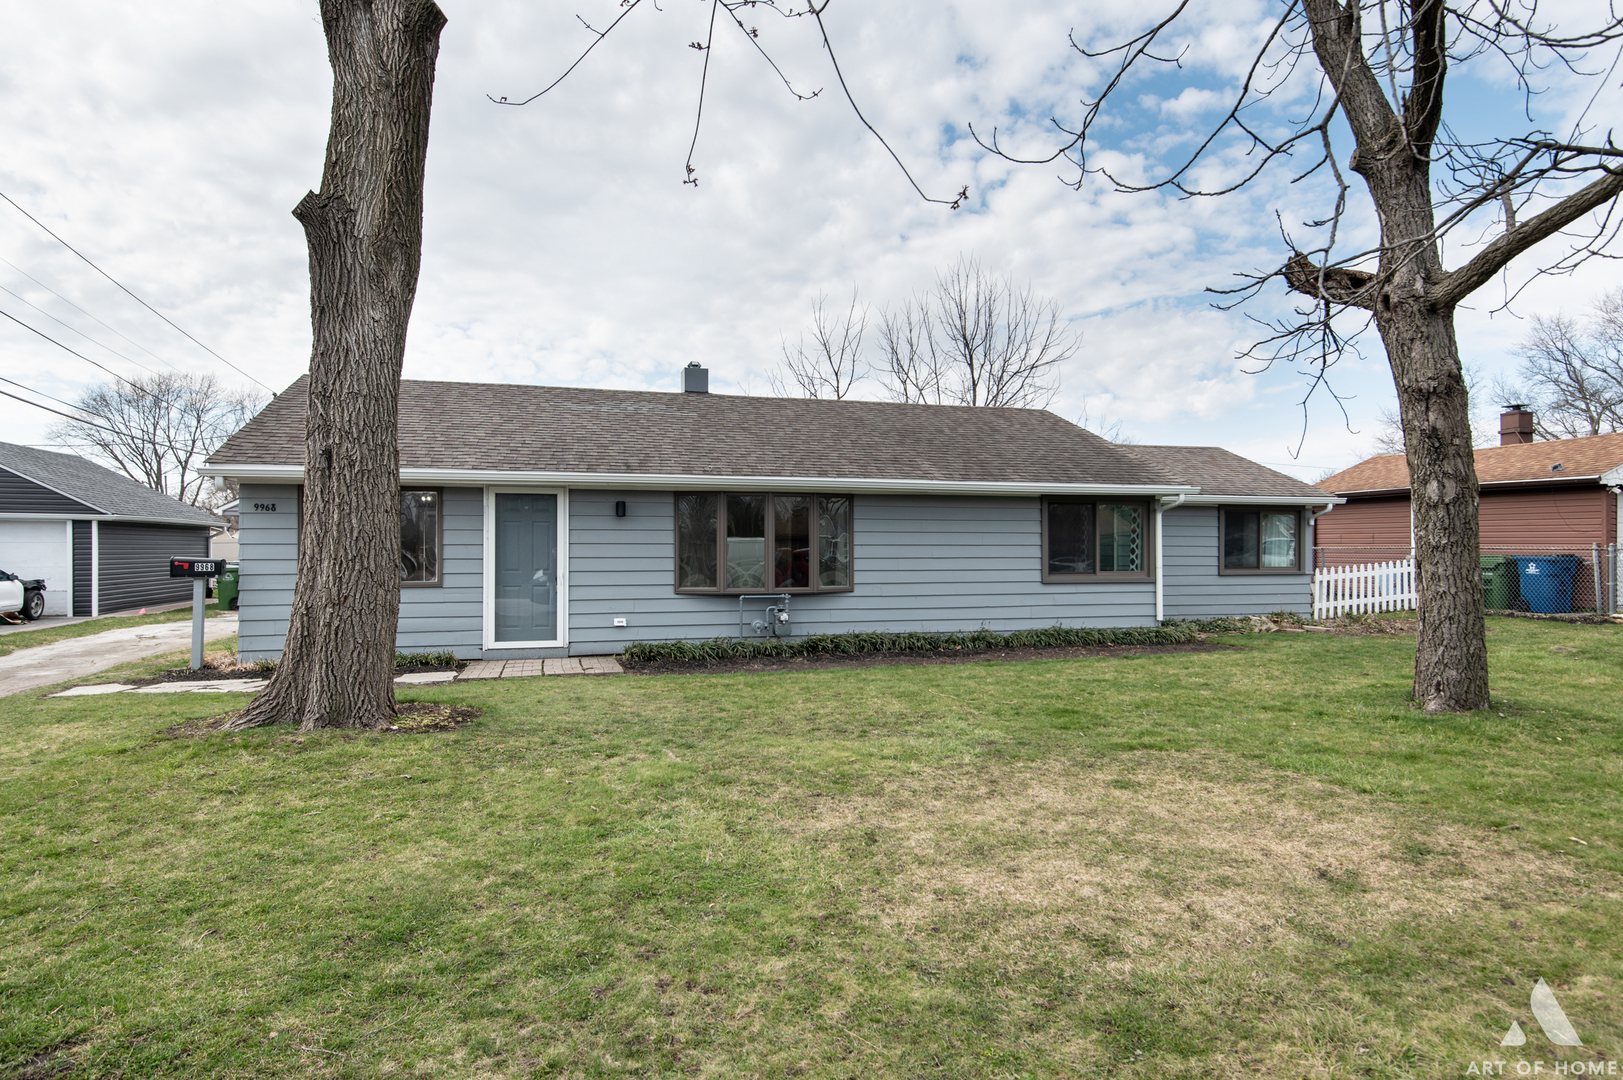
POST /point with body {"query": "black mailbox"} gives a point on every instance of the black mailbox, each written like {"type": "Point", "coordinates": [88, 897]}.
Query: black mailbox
{"type": "Point", "coordinates": [188, 567]}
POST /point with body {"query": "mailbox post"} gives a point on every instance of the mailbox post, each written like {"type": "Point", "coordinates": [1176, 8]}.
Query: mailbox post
{"type": "Point", "coordinates": [199, 570]}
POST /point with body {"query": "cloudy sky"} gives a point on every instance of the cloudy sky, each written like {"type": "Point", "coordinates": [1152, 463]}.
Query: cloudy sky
{"type": "Point", "coordinates": [170, 142]}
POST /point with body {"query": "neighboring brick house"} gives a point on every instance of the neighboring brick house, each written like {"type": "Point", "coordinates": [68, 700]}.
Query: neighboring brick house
{"type": "Point", "coordinates": [1558, 496]}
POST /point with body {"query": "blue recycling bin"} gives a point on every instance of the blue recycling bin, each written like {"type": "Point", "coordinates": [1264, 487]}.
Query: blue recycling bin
{"type": "Point", "coordinates": [1546, 582]}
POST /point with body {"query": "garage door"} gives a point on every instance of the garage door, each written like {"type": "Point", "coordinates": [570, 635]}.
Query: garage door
{"type": "Point", "coordinates": [40, 549]}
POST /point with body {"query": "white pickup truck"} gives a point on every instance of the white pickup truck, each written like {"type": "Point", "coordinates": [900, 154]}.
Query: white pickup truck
{"type": "Point", "coordinates": [25, 598]}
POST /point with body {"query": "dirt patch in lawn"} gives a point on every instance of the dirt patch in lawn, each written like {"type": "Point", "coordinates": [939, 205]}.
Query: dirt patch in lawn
{"type": "Point", "coordinates": [413, 718]}
{"type": "Point", "coordinates": [1162, 860]}
{"type": "Point", "coordinates": [894, 659]}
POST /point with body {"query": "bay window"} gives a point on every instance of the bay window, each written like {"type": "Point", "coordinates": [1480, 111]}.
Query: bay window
{"type": "Point", "coordinates": [742, 542]}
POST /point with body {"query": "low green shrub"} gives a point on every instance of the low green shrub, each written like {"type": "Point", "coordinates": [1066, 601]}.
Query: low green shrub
{"type": "Point", "coordinates": [917, 642]}
{"type": "Point", "coordinates": [426, 659]}
{"type": "Point", "coordinates": [401, 659]}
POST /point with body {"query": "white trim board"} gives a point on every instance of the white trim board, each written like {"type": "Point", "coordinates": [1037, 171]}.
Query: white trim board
{"type": "Point", "coordinates": [689, 482]}
{"type": "Point", "coordinates": [487, 570]}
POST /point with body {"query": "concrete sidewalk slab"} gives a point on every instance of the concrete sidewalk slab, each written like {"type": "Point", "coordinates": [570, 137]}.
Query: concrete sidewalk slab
{"type": "Point", "coordinates": [219, 686]}
{"type": "Point", "coordinates": [98, 688]}
{"type": "Point", "coordinates": [42, 665]}
{"type": "Point", "coordinates": [424, 678]}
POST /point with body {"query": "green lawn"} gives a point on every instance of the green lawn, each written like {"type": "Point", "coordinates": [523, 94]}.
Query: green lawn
{"type": "Point", "coordinates": [1243, 863]}
{"type": "Point", "coordinates": [24, 639]}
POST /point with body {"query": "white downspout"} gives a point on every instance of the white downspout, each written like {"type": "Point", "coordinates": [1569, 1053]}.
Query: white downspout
{"type": "Point", "coordinates": [1162, 505]}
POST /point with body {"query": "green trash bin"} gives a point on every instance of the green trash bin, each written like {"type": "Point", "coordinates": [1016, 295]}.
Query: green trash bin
{"type": "Point", "coordinates": [226, 588]}
{"type": "Point", "coordinates": [1499, 585]}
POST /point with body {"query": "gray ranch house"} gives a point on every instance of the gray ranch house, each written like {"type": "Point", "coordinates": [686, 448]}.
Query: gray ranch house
{"type": "Point", "coordinates": [546, 521]}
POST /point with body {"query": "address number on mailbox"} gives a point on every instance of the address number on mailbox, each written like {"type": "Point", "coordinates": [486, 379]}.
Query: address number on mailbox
{"type": "Point", "coordinates": [185, 566]}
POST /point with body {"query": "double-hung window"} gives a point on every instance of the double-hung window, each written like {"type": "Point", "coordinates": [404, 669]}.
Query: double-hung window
{"type": "Point", "coordinates": [1088, 539]}
{"type": "Point", "coordinates": [1261, 541]}
{"type": "Point", "coordinates": [756, 541]}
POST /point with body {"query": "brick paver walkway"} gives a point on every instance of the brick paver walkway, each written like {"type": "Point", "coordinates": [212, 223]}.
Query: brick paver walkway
{"type": "Point", "coordinates": [523, 669]}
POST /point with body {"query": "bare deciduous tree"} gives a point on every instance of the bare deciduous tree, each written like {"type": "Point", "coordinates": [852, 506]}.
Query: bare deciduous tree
{"type": "Point", "coordinates": [976, 339]}
{"type": "Point", "coordinates": [364, 229]}
{"type": "Point", "coordinates": [833, 362]}
{"type": "Point", "coordinates": [1375, 72]}
{"type": "Point", "coordinates": [156, 429]}
{"type": "Point", "coordinates": [1572, 371]}
{"type": "Point", "coordinates": [1101, 423]}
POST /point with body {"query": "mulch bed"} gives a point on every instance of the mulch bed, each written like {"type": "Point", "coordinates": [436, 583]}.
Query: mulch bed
{"type": "Point", "coordinates": [412, 718]}
{"type": "Point", "coordinates": [895, 659]}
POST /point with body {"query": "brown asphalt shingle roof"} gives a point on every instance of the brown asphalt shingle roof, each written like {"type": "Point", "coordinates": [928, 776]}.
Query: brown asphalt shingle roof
{"type": "Point", "coordinates": [1218, 472]}
{"type": "Point", "coordinates": [1590, 456]}
{"type": "Point", "coordinates": [509, 428]}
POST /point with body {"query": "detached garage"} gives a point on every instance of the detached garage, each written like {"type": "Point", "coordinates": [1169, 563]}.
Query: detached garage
{"type": "Point", "coordinates": [100, 540]}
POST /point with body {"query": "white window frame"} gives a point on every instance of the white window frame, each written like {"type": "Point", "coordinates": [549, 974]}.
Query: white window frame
{"type": "Point", "coordinates": [488, 571]}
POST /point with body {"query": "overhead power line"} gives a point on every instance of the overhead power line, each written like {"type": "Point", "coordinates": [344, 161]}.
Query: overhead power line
{"type": "Point", "coordinates": [73, 329]}
{"type": "Point", "coordinates": [131, 295]}
{"type": "Point", "coordinates": [58, 412]}
{"type": "Point", "coordinates": [85, 313]}
{"type": "Point", "coordinates": [132, 385]}
{"type": "Point", "coordinates": [171, 447]}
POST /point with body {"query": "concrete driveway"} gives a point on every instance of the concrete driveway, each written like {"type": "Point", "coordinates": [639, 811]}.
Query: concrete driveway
{"type": "Point", "coordinates": [75, 658]}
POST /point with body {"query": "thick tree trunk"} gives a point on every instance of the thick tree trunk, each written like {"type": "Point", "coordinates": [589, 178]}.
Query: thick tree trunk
{"type": "Point", "coordinates": [1451, 655]}
{"type": "Point", "coordinates": [1393, 156]}
{"type": "Point", "coordinates": [364, 230]}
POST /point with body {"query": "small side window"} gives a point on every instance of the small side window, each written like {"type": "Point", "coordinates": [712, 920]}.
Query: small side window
{"type": "Point", "coordinates": [1261, 541]}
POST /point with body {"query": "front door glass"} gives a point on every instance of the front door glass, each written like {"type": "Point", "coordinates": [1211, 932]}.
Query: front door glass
{"type": "Point", "coordinates": [526, 567]}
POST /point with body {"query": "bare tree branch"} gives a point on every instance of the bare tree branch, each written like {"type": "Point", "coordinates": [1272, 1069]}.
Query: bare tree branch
{"type": "Point", "coordinates": [1493, 258]}
{"type": "Point", "coordinates": [834, 362]}
{"type": "Point", "coordinates": [158, 429]}
{"type": "Point", "coordinates": [975, 339]}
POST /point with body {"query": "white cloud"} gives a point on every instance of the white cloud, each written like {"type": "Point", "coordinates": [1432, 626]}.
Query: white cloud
{"type": "Point", "coordinates": [171, 143]}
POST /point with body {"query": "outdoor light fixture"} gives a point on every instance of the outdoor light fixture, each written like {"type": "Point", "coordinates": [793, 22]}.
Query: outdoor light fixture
{"type": "Point", "coordinates": [620, 508]}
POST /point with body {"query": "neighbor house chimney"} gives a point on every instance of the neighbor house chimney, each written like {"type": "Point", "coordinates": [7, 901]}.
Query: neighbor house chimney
{"type": "Point", "coordinates": [1515, 425]}
{"type": "Point", "coordinates": [696, 380]}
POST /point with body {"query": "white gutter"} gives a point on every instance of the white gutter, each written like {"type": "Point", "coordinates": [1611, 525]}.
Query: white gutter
{"type": "Point", "coordinates": [1264, 500]}
{"type": "Point", "coordinates": [1161, 507]}
{"type": "Point", "coordinates": [691, 482]}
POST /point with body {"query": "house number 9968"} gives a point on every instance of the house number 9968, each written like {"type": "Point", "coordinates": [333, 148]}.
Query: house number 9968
{"type": "Point", "coordinates": [265, 506]}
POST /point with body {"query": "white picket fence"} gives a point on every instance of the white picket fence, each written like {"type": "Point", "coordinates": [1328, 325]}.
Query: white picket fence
{"type": "Point", "coordinates": [1359, 590]}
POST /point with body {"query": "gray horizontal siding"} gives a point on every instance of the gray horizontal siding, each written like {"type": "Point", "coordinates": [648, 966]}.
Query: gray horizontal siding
{"type": "Point", "coordinates": [920, 563]}
{"type": "Point", "coordinates": [132, 563]}
{"type": "Point", "coordinates": [1193, 589]}
{"type": "Point", "coordinates": [267, 558]}
{"type": "Point", "coordinates": [447, 617]}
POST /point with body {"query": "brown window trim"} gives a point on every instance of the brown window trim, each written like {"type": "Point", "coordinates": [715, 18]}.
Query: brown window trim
{"type": "Point", "coordinates": [1150, 518]}
{"type": "Point", "coordinates": [721, 545]}
{"type": "Point", "coordinates": [1259, 570]}
{"type": "Point", "coordinates": [439, 541]}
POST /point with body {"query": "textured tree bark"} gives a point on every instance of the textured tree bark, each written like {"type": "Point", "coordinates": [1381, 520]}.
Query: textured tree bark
{"type": "Point", "coordinates": [364, 229]}
{"type": "Point", "coordinates": [1393, 156]}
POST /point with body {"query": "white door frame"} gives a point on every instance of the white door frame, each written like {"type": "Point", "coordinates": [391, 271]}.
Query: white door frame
{"type": "Point", "coordinates": [489, 569]}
